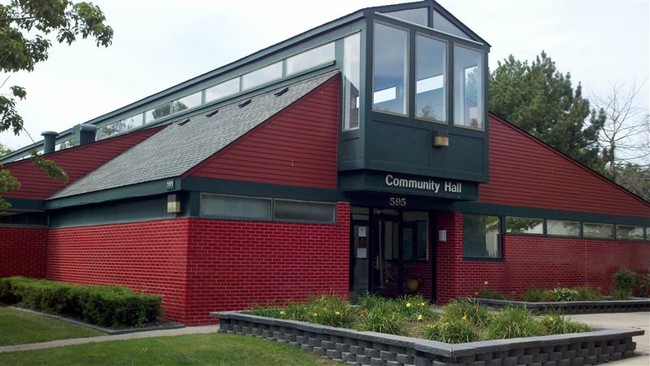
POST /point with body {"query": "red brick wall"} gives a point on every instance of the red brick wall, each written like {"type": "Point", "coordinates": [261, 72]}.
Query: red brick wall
{"type": "Point", "coordinates": [532, 261]}
{"type": "Point", "coordinates": [234, 264]}
{"type": "Point", "coordinates": [22, 252]}
{"type": "Point", "coordinates": [202, 265]}
{"type": "Point", "coordinates": [146, 256]}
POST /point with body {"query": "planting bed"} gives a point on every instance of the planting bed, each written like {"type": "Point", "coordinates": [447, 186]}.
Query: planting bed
{"type": "Point", "coordinates": [369, 348]}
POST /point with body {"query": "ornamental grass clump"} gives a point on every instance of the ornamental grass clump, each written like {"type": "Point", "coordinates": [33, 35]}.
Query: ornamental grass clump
{"type": "Point", "coordinates": [468, 309]}
{"type": "Point", "coordinates": [451, 329]}
{"type": "Point", "coordinates": [460, 321]}
{"type": "Point", "coordinates": [556, 323]}
{"type": "Point", "coordinates": [513, 322]}
{"type": "Point", "coordinates": [380, 314]}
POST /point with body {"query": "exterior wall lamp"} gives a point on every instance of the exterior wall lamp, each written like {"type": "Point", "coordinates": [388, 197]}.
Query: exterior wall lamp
{"type": "Point", "coordinates": [173, 204]}
{"type": "Point", "coordinates": [440, 138]}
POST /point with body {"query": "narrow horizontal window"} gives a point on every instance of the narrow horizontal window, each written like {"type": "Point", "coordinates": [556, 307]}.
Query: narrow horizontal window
{"type": "Point", "coordinates": [524, 225]}
{"type": "Point", "coordinates": [593, 230]}
{"type": "Point", "coordinates": [629, 232]}
{"type": "Point", "coordinates": [235, 207]}
{"type": "Point", "coordinates": [262, 76]}
{"type": "Point", "coordinates": [160, 111]}
{"type": "Point", "coordinates": [310, 59]}
{"type": "Point", "coordinates": [187, 102]}
{"type": "Point", "coordinates": [222, 90]}
{"type": "Point", "coordinates": [316, 212]}
{"type": "Point", "coordinates": [563, 228]}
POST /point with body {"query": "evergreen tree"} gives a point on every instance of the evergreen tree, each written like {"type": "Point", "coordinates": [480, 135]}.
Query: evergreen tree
{"type": "Point", "coordinates": [541, 100]}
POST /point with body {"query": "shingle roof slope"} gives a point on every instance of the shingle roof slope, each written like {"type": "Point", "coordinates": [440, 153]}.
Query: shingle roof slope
{"type": "Point", "coordinates": [181, 146]}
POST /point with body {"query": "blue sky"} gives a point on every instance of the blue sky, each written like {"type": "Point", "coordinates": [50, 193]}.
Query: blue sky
{"type": "Point", "coordinates": [158, 44]}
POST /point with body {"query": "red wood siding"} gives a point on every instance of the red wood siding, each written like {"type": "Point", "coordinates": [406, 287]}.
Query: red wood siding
{"type": "Point", "coordinates": [525, 172]}
{"type": "Point", "coordinates": [532, 261]}
{"type": "Point", "coordinates": [296, 147]}
{"type": "Point", "coordinates": [76, 162]}
{"type": "Point", "coordinates": [22, 252]}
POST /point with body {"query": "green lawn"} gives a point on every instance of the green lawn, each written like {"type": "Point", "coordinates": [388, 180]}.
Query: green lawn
{"type": "Point", "coordinates": [208, 349]}
{"type": "Point", "coordinates": [19, 327]}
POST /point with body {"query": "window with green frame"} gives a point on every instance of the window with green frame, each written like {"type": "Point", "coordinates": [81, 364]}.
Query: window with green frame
{"type": "Point", "coordinates": [481, 236]}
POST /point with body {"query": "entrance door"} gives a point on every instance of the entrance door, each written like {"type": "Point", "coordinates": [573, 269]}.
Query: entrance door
{"type": "Point", "coordinates": [388, 251]}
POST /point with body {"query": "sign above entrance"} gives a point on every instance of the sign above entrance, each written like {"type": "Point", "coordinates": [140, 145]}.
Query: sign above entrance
{"type": "Point", "coordinates": [405, 184]}
{"type": "Point", "coordinates": [429, 184]}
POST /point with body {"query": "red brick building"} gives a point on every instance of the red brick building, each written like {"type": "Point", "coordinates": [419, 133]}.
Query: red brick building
{"type": "Point", "coordinates": [357, 156]}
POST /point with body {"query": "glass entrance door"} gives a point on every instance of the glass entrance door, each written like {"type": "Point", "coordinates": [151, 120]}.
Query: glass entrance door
{"type": "Point", "coordinates": [387, 271]}
{"type": "Point", "coordinates": [389, 251]}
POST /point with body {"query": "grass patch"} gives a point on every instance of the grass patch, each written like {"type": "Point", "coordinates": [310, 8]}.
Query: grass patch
{"type": "Point", "coordinates": [19, 327]}
{"type": "Point", "coordinates": [206, 349]}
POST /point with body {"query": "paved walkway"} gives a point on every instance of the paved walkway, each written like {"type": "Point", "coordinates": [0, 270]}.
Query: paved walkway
{"type": "Point", "coordinates": [640, 320]}
{"type": "Point", "coordinates": [153, 333]}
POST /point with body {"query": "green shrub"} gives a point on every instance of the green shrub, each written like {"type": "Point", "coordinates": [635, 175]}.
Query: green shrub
{"type": "Point", "coordinates": [642, 285]}
{"type": "Point", "coordinates": [513, 322]}
{"type": "Point", "coordinates": [561, 294]}
{"type": "Point", "coordinates": [565, 294]}
{"type": "Point", "coordinates": [624, 283]}
{"type": "Point", "coordinates": [588, 294]}
{"type": "Point", "coordinates": [535, 295]}
{"type": "Point", "coordinates": [100, 305]}
{"type": "Point", "coordinates": [620, 294]}
{"type": "Point", "coordinates": [451, 329]}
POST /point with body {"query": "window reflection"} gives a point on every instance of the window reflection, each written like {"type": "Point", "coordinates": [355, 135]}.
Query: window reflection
{"type": "Point", "coordinates": [262, 76]}
{"type": "Point", "coordinates": [310, 59]}
{"type": "Point", "coordinates": [222, 90]}
{"type": "Point", "coordinates": [351, 81]}
{"type": "Point", "coordinates": [187, 102]}
{"type": "Point", "coordinates": [468, 87]}
{"type": "Point", "coordinates": [430, 66]}
{"type": "Point", "coordinates": [390, 85]}
{"type": "Point", "coordinates": [418, 16]}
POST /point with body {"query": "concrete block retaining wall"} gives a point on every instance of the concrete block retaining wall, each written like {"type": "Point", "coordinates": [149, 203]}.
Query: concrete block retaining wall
{"type": "Point", "coordinates": [576, 307]}
{"type": "Point", "coordinates": [377, 349]}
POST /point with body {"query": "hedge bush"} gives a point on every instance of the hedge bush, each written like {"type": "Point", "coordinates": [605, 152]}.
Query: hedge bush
{"type": "Point", "coordinates": [107, 306]}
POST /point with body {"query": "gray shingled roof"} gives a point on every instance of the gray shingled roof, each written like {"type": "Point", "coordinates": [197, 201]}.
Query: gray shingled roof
{"type": "Point", "coordinates": [181, 146]}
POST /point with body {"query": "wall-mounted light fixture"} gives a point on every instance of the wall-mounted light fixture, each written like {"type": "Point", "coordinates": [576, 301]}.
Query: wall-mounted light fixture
{"type": "Point", "coordinates": [440, 138]}
{"type": "Point", "coordinates": [173, 204]}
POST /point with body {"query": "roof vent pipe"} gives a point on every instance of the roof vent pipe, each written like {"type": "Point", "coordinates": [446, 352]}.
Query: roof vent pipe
{"type": "Point", "coordinates": [49, 141]}
{"type": "Point", "coordinates": [87, 134]}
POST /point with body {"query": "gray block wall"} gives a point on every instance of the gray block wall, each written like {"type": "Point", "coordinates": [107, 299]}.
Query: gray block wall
{"type": "Point", "coordinates": [376, 349]}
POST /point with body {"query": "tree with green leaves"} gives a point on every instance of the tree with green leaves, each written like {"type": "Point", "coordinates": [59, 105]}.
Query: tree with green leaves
{"type": "Point", "coordinates": [541, 100]}
{"type": "Point", "coordinates": [27, 29]}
